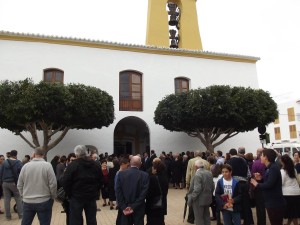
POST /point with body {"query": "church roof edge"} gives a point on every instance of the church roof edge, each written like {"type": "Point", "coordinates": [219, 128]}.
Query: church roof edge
{"type": "Point", "coordinates": [6, 35]}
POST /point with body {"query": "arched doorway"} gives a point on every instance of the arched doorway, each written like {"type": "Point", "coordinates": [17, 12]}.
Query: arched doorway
{"type": "Point", "coordinates": [131, 136]}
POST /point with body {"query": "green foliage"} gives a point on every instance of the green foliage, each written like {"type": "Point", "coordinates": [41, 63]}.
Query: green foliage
{"type": "Point", "coordinates": [74, 106]}
{"type": "Point", "coordinates": [219, 107]}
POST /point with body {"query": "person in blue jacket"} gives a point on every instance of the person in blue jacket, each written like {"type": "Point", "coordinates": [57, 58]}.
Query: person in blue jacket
{"type": "Point", "coordinates": [271, 187]}
{"type": "Point", "coordinates": [229, 197]}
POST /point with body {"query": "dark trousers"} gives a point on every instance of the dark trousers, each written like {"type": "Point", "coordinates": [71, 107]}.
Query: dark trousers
{"type": "Point", "coordinates": [191, 216]}
{"type": "Point", "coordinates": [231, 218]}
{"type": "Point", "coordinates": [260, 206]}
{"type": "Point", "coordinates": [155, 219]}
{"type": "Point", "coordinates": [77, 206]}
{"type": "Point", "coordinates": [213, 207]}
{"type": "Point", "coordinates": [136, 218]}
{"type": "Point", "coordinates": [43, 211]}
{"type": "Point", "coordinates": [119, 216]}
{"type": "Point", "coordinates": [246, 213]}
{"type": "Point", "coordinates": [275, 215]}
{"type": "Point", "coordinates": [66, 206]}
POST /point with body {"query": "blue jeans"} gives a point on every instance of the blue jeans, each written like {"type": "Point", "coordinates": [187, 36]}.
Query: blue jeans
{"type": "Point", "coordinates": [230, 217]}
{"type": "Point", "coordinates": [43, 211]}
{"type": "Point", "coordinates": [76, 208]}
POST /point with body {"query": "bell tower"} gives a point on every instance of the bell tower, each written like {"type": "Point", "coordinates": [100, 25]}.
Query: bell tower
{"type": "Point", "coordinates": [174, 24]}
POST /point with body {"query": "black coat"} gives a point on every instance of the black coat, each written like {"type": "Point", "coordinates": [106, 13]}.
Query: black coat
{"type": "Point", "coordinates": [272, 187]}
{"type": "Point", "coordinates": [83, 179]}
{"type": "Point", "coordinates": [154, 191]}
{"type": "Point", "coordinates": [111, 183]}
{"type": "Point", "coordinates": [177, 171]}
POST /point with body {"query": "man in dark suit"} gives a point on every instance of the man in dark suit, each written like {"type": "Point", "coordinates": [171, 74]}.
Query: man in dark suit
{"type": "Point", "coordinates": [146, 164]}
{"type": "Point", "coordinates": [131, 190]}
{"type": "Point", "coordinates": [152, 156]}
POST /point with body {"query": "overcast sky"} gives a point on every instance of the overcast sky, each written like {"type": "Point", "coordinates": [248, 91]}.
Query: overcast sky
{"type": "Point", "coordinates": [269, 29]}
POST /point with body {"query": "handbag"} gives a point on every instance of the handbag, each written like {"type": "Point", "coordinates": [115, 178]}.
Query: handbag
{"type": "Point", "coordinates": [61, 195]}
{"type": "Point", "coordinates": [157, 202]}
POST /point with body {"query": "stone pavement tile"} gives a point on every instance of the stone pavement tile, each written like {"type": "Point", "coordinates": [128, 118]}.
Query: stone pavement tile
{"type": "Point", "coordinates": [108, 217]}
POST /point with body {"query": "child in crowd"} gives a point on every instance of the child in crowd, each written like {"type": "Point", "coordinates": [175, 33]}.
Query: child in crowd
{"type": "Point", "coordinates": [228, 197]}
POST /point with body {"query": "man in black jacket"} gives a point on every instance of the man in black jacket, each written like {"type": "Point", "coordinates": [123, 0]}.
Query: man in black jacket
{"type": "Point", "coordinates": [82, 182]}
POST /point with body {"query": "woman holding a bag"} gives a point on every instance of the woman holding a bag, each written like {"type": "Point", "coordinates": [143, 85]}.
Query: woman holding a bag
{"type": "Point", "coordinates": [290, 190]}
{"type": "Point", "coordinates": [156, 200]}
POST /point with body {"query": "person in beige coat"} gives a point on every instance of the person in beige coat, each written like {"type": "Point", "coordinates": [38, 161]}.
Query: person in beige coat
{"type": "Point", "coordinates": [200, 194]}
{"type": "Point", "coordinates": [190, 172]}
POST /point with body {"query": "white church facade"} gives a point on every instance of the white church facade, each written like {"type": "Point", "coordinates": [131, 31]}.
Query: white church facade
{"type": "Point", "coordinates": [136, 76]}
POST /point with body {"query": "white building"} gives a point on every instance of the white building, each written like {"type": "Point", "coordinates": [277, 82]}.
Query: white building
{"type": "Point", "coordinates": [137, 77]}
{"type": "Point", "coordinates": [287, 127]}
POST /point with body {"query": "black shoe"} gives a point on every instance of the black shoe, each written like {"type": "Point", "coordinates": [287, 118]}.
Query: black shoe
{"type": "Point", "coordinates": [190, 221]}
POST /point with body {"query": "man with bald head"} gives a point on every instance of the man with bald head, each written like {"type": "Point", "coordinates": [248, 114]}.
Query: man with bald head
{"type": "Point", "coordinates": [131, 190]}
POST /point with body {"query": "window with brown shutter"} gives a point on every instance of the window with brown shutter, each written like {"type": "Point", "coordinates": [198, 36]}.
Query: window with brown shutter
{"type": "Point", "coordinates": [53, 75]}
{"type": "Point", "coordinates": [130, 91]}
{"type": "Point", "coordinates": [181, 85]}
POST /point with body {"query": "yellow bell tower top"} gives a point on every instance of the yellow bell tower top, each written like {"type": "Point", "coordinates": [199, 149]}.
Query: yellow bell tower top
{"type": "Point", "coordinates": [173, 23]}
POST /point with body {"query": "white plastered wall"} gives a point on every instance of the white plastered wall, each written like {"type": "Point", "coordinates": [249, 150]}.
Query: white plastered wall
{"type": "Point", "coordinates": [101, 67]}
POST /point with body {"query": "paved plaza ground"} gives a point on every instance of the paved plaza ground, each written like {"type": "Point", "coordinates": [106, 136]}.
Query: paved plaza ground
{"type": "Point", "coordinates": [108, 217]}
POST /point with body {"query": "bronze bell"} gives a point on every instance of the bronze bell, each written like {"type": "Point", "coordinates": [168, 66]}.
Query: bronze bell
{"type": "Point", "coordinates": [172, 34]}
{"type": "Point", "coordinates": [174, 13]}
{"type": "Point", "coordinates": [174, 44]}
{"type": "Point", "coordinates": [173, 20]}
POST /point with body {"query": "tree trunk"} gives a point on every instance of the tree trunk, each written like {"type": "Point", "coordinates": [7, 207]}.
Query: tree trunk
{"type": "Point", "coordinates": [210, 148]}
{"type": "Point", "coordinates": [48, 134]}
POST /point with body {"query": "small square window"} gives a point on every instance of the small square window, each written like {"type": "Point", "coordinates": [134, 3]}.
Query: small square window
{"type": "Point", "coordinates": [53, 76]}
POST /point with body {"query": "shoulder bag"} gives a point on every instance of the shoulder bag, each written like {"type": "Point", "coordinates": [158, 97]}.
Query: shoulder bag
{"type": "Point", "coordinates": [61, 195]}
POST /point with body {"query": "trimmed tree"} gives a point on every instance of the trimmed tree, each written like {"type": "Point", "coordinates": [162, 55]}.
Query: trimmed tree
{"type": "Point", "coordinates": [216, 113]}
{"type": "Point", "coordinates": [52, 109]}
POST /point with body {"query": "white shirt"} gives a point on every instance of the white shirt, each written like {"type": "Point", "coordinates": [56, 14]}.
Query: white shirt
{"type": "Point", "coordinates": [227, 184]}
{"type": "Point", "coordinates": [290, 186]}
{"type": "Point", "coordinates": [220, 160]}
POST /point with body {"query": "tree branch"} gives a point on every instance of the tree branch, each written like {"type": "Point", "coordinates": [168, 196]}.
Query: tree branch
{"type": "Point", "coordinates": [31, 127]}
{"type": "Point", "coordinates": [191, 134]}
{"type": "Point", "coordinates": [27, 141]}
{"type": "Point", "coordinates": [61, 136]}
{"type": "Point", "coordinates": [202, 139]}
{"type": "Point", "coordinates": [55, 131]}
{"type": "Point", "coordinates": [229, 135]}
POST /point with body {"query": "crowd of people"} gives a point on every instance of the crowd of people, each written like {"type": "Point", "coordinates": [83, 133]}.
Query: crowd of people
{"type": "Point", "coordinates": [226, 187]}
